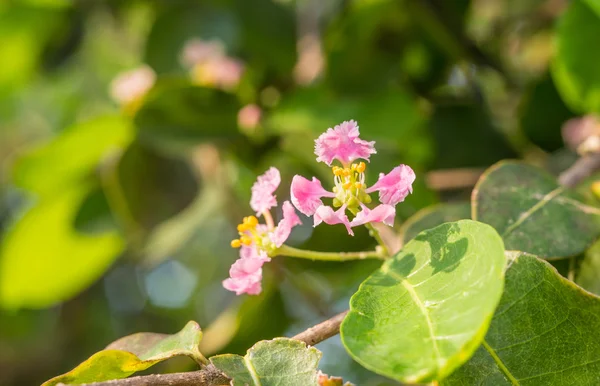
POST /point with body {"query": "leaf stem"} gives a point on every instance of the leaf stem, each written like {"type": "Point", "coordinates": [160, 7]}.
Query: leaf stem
{"type": "Point", "coordinates": [377, 236]}
{"type": "Point", "coordinates": [286, 250]}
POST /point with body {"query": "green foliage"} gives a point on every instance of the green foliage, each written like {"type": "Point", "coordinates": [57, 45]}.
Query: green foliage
{"type": "Point", "coordinates": [134, 353]}
{"type": "Point", "coordinates": [272, 362]}
{"type": "Point", "coordinates": [433, 216]}
{"type": "Point", "coordinates": [519, 200]}
{"type": "Point", "coordinates": [574, 71]}
{"type": "Point", "coordinates": [411, 303]}
{"type": "Point", "coordinates": [60, 261]}
{"type": "Point", "coordinates": [541, 333]}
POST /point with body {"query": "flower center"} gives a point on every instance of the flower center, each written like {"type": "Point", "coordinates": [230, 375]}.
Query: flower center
{"type": "Point", "coordinates": [247, 231]}
{"type": "Point", "coordinates": [350, 186]}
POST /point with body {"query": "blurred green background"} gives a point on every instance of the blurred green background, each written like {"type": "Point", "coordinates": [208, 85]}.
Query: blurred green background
{"type": "Point", "coordinates": [116, 217]}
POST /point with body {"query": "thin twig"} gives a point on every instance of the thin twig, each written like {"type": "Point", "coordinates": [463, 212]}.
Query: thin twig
{"type": "Point", "coordinates": [322, 331]}
{"type": "Point", "coordinates": [580, 170]}
{"type": "Point", "coordinates": [209, 376]}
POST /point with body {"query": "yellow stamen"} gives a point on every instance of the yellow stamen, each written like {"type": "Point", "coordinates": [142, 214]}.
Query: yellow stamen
{"type": "Point", "coordinates": [361, 167]}
{"type": "Point", "coordinates": [252, 221]}
{"type": "Point", "coordinates": [236, 243]}
{"type": "Point", "coordinates": [347, 185]}
{"type": "Point", "coordinates": [242, 227]}
{"type": "Point", "coordinates": [358, 185]}
{"type": "Point", "coordinates": [246, 240]}
{"type": "Point", "coordinates": [337, 170]}
{"type": "Point", "coordinates": [346, 172]}
{"type": "Point", "coordinates": [354, 167]}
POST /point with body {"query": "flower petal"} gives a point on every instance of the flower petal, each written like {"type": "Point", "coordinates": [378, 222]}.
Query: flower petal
{"type": "Point", "coordinates": [131, 85]}
{"type": "Point", "coordinates": [306, 195]}
{"type": "Point", "coordinates": [262, 191]}
{"type": "Point", "coordinates": [284, 228]}
{"type": "Point", "coordinates": [246, 273]}
{"type": "Point", "coordinates": [342, 143]}
{"type": "Point", "coordinates": [328, 216]}
{"type": "Point", "coordinates": [249, 286]}
{"type": "Point", "coordinates": [395, 186]}
{"type": "Point", "coordinates": [382, 213]}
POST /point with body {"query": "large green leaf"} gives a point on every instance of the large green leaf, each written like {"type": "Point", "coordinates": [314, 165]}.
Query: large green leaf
{"type": "Point", "coordinates": [574, 67]}
{"type": "Point", "coordinates": [545, 332]}
{"type": "Point", "coordinates": [176, 113]}
{"type": "Point", "coordinates": [44, 260]}
{"type": "Point", "coordinates": [533, 213]}
{"type": "Point", "coordinates": [424, 312]}
{"type": "Point", "coordinates": [588, 275]}
{"type": "Point", "coordinates": [134, 353]}
{"type": "Point", "coordinates": [73, 155]}
{"type": "Point", "coordinates": [433, 216]}
{"type": "Point", "coordinates": [280, 361]}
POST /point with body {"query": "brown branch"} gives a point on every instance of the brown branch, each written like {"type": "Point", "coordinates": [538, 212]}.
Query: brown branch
{"type": "Point", "coordinates": [448, 179]}
{"type": "Point", "coordinates": [580, 170]}
{"type": "Point", "coordinates": [322, 331]}
{"type": "Point", "coordinates": [209, 376]}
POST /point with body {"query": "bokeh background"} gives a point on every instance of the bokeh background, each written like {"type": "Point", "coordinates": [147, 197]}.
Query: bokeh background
{"type": "Point", "coordinates": [117, 207]}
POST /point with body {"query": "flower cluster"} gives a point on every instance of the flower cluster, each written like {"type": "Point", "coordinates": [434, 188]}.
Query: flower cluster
{"type": "Point", "coordinates": [209, 64]}
{"type": "Point", "coordinates": [257, 241]}
{"type": "Point", "coordinates": [350, 193]}
{"type": "Point", "coordinates": [129, 88]}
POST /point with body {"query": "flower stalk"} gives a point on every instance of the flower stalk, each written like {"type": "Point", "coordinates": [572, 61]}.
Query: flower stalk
{"type": "Point", "coordinates": [285, 250]}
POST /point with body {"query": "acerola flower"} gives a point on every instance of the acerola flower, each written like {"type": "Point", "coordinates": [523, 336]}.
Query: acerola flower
{"type": "Point", "coordinates": [249, 116]}
{"type": "Point", "coordinates": [350, 191]}
{"type": "Point", "coordinates": [197, 51]}
{"type": "Point", "coordinates": [130, 87]}
{"type": "Point", "coordinates": [260, 241]}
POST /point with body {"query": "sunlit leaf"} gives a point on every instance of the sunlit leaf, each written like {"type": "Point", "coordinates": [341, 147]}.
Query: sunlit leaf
{"type": "Point", "coordinates": [533, 213]}
{"type": "Point", "coordinates": [588, 275]}
{"type": "Point", "coordinates": [44, 260]}
{"type": "Point", "coordinates": [134, 353]}
{"type": "Point", "coordinates": [574, 69]}
{"type": "Point", "coordinates": [424, 312]}
{"type": "Point", "coordinates": [433, 216]}
{"type": "Point", "coordinates": [544, 332]}
{"type": "Point", "coordinates": [280, 361]}
{"type": "Point", "coordinates": [72, 155]}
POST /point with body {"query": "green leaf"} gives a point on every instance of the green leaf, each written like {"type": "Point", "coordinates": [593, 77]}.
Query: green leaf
{"type": "Point", "coordinates": [44, 260]}
{"type": "Point", "coordinates": [574, 68]}
{"type": "Point", "coordinates": [433, 216]}
{"type": "Point", "coordinates": [588, 276]}
{"type": "Point", "coordinates": [533, 213]}
{"type": "Point", "coordinates": [544, 332]}
{"type": "Point", "coordinates": [134, 353]}
{"type": "Point", "coordinates": [178, 114]}
{"type": "Point", "coordinates": [72, 155]}
{"type": "Point", "coordinates": [280, 361]}
{"type": "Point", "coordinates": [424, 312]}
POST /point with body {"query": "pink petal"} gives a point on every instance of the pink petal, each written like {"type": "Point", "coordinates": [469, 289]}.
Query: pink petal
{"type": "Point", "coordinates": [197, 51]}
{"type": "Point", "coordinates": [249, 116]}
{"type": "Point", "coordinates": [246, 268]}
{"type": "Point", "coordinates": [243, 285]}
{"type": "Point", "coordinates": [251, 252]}
{"type": "Point", "coordinates": [328, 216]}
{"type": "Point", "coordinates": [263, 189]}
{"type": "Point", "coordinates": [395, 186]}
{"type": "Point", "coordinates": [284, 228]}
{"type": "Point", "coordinates": [132, 85]}
{"type": "Point", "coordinates": [382, 213]}
{"type": "Point", "coordinates": [306, 195]}
{"type": "Point", "coordinates": [342, 143]}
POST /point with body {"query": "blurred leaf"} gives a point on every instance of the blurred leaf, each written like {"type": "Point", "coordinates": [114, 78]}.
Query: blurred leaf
{"type": "Point", "coordinates": [465, 137]}
{"type": "Point", "coordinates": [280, 361]}
{"type": "Point", "coordinates": [73, 155]}
{"type": "Point", "coordinates": [134, 353]}
{"type": "Point", "coordinates": [156, 187]}
{"type": "Point", "coordinates": [519, 200]}
{"type": "Point", "coordinates": [391, 118]}
{"type": "Point", "coordinates": [544, 332]}
{"type": "Point", "coordinates": [543, 113]}
{"type": "Point", "coordinates": [588, 276]}
{"type": "Point", "coordinates": [44, 248]}
{"type": "Point", "coordinates": [269, 34]}
{"type": "Point", "coordinates": [574, 67]}
{"type": "Point", "coordinates": [433, 216]}
{"type": "Point", "coordinates": [425, 311]}
{"type": "Point", "coordinates": [179, 115]}
{"type": "Point", "coordinates": [179, 22]}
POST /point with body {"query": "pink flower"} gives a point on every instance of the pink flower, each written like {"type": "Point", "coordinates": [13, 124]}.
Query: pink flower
{"type": "Point", "coordinates": [395, 186]}
{"type": "Point", "coordinates": [196, 51]}
{"type": "Point", "coordinates": [259, 241]}
{"type": "Point", "coordinates": [306, 195]}
{"type": "Point", "coordinates": [350, 192]}
{"type": "Point", "coordinates": [342, 143]}
{"type": "Point", "coordinates": [262, 191]}
{"type": "Point", "coordinates": [130, 86]}
{"type": "Point", "coordinates": [249, 116]}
